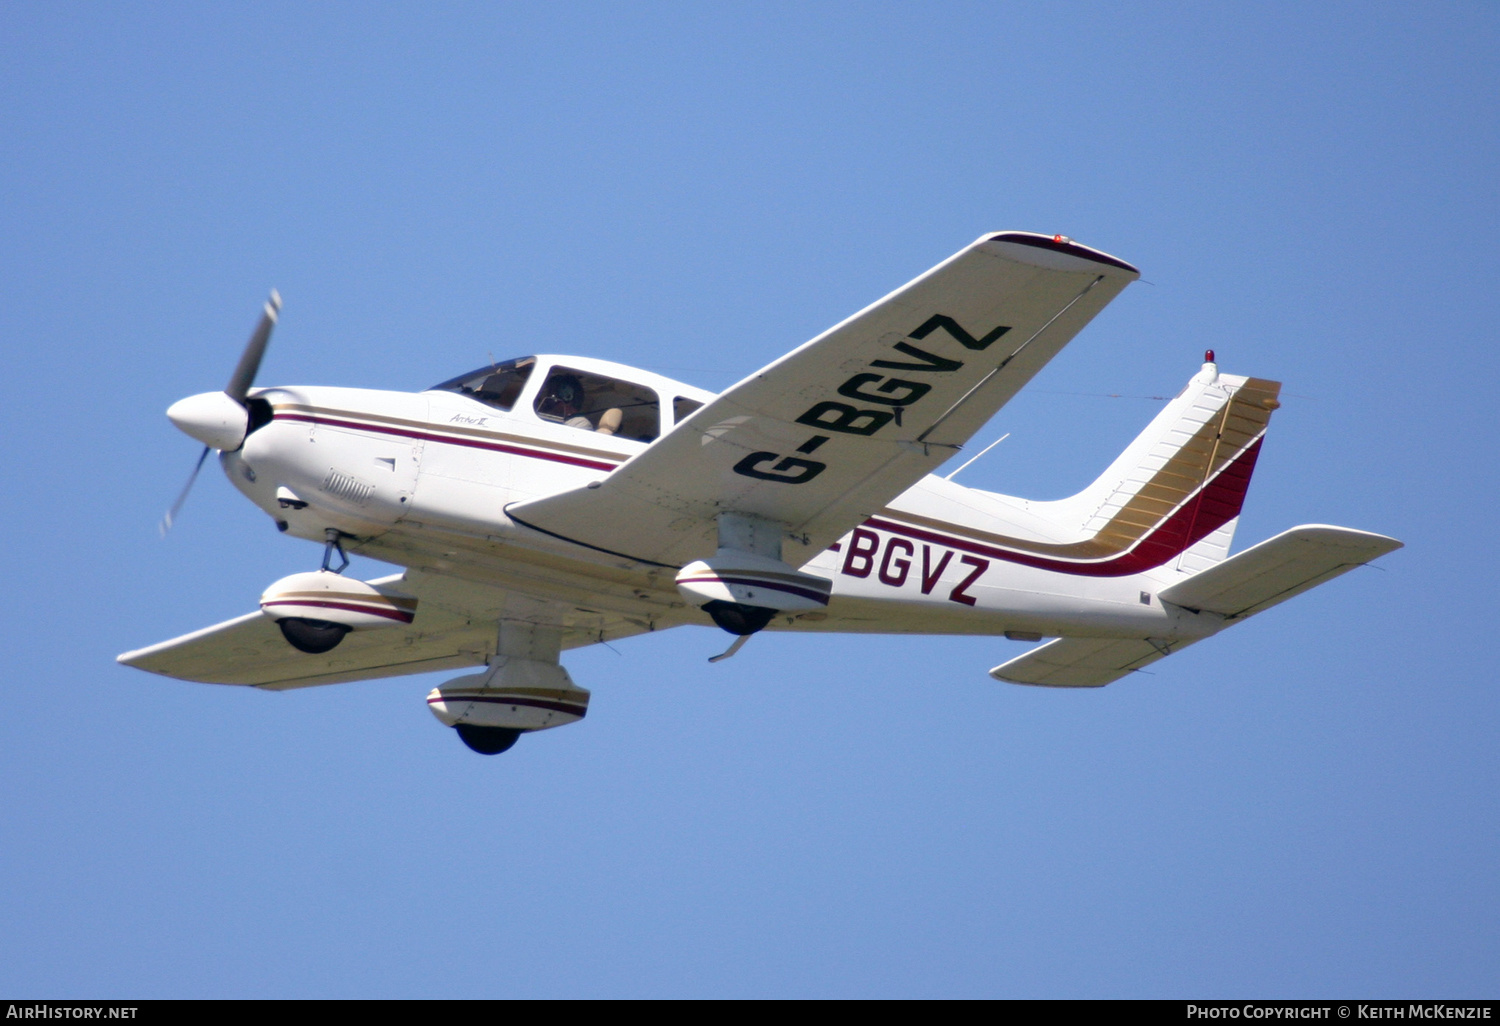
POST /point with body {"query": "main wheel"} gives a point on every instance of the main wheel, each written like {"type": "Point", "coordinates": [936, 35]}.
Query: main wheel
{"type": "Point", "coordinates": [737, 618]}
{"type": "Point", "coordinates": [487, 740]}
{"type": "Point", "coordinates": [312, 636]}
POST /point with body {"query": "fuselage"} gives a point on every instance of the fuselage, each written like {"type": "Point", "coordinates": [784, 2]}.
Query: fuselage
{"type": "Point", "coordinates": [423, 480]}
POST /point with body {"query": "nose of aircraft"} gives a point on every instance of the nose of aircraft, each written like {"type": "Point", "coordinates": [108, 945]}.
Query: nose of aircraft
{"type": "Point", "coordinates": [213, 418]}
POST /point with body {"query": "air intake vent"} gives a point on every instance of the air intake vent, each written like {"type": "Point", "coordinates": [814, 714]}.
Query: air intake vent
{"type": "Point", "coordinates": [342, 486]}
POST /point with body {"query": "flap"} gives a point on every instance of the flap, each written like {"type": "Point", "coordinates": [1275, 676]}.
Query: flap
{"type": "Point", "coordinates": [831, 432]}
{"type": "Point", "coordinates": [1084, 662]}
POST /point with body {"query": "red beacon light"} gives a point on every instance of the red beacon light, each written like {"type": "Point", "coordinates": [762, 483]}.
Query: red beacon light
{"type": "Point", "coordinates": [1208, 356]}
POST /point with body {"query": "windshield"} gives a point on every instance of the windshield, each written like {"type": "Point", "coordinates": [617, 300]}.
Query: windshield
{"type": "Point", "coordinates": [498, 385]}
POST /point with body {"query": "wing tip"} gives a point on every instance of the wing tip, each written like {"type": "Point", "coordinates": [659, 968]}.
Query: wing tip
{"type": "Point", "coordinates": [1061, 244]}
{"type": "Point", "coordinates": [1034, 683]}
{"type": "Point", "coordinates": [1370, 539]}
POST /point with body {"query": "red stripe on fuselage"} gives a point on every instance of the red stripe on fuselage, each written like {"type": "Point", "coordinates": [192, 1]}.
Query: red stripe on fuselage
{"type": "Point", "coordinates": [1211, 508]}
{"type": "Point", "coordinates": [429, 436]}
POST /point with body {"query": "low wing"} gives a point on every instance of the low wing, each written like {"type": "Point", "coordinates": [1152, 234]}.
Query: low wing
{"type": "Point", "coordinates": [1262, 576]}
{"type": "Point", "coordinates": [829, 433]}
{"type": "Point", "coordinates": [455, 628]}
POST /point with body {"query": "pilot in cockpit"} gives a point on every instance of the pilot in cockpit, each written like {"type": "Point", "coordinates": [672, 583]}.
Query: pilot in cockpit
{"type": "Point", "coordinates": [564, 399]}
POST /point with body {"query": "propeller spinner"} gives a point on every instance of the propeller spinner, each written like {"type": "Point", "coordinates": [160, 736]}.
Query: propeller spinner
{"type": "Point", "coordinates": [220, 420]}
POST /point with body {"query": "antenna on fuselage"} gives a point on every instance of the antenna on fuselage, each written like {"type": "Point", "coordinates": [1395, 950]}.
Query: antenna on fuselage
{"type": "Point", "coordinates": [986, 449]}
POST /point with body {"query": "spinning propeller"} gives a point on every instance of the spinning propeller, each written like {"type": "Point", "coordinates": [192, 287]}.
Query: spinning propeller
{"type": "Point", "coordinates": [221, 420]}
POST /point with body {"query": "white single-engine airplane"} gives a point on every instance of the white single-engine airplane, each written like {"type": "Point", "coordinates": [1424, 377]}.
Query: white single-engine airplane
{"type": "Point", "coordinates": [550, 502]}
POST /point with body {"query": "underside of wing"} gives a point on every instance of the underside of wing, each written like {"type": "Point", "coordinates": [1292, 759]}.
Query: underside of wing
{"type": "Point", "coordinates": [830, 433]}
{"type": "Point", "coordinates": [1083, 662]}
{"type": "Point", "coordinates": [455, 627]}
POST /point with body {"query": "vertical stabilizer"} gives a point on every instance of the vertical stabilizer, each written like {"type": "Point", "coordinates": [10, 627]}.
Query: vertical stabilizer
{"type": "Point", "coordinates": [1174, 495]}
{"type": "Point", "coordinates": [1167, 506]}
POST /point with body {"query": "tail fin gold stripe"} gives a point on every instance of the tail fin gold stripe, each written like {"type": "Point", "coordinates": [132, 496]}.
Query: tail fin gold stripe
{"type": "Point", "coordinates": [1242, 420]}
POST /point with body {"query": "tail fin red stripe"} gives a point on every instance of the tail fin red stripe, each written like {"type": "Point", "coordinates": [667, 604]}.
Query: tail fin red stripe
{"type": "Point", "coordinates": [1214, 505]}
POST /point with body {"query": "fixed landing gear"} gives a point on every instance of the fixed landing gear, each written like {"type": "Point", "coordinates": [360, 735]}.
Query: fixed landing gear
{"type": "Point", "coordinates": [312, 636]}
{"type": "Point", "coordinates": [488, 740]}
{"type": "Point", "coordinates": [737, 618]}
{"type": "Point", "coordinates": [307, 634]}
{"type": "Point", "coordinates": [522, 689]}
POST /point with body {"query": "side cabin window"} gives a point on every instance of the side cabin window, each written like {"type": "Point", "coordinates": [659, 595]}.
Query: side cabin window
{"type": "Point", "coordinates": [592, 402]}
{"type": "Point", "coordinates": [498, 385]}
{"type": "Point", "coordinates": [683, 408]}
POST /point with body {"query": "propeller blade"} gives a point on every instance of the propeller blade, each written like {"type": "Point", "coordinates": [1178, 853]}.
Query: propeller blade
{"type": "Point", "coordinates": [166, 521]}
{"type": "Point", "coordinates": [244, 375]}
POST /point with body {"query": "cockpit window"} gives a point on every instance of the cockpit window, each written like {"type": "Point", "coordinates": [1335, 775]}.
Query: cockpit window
{"type": "Point", "coordinates": [498, 385]}
{"type": "Point", "coordinates": [592, 402]}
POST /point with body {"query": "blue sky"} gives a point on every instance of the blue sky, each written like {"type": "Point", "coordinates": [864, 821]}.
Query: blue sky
{"type": "Point", "coordinates": [1304, 806]}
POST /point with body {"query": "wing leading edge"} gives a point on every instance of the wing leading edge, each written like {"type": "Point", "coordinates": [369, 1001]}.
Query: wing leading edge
{"type": "Point", "coordinates": [829, 433]}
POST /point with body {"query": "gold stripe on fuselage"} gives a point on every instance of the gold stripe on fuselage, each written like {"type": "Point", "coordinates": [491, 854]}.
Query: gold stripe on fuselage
{"type": "Point", "coordinates": [1213, 446]}
{"type": "Point", "coordinates": [428, 427]}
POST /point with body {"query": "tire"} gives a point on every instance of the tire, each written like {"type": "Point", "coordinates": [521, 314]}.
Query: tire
{"type": "Point", "coordinates": [737, 618]}
{"type": "Point", "coordinates": [487, 740]}
{"type": "Point", "coordinates": [312, 636]}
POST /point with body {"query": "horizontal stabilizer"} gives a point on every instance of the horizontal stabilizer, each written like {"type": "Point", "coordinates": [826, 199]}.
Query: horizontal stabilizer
{"type": "Point", "coordinates": [1278, 569]}
{"type": "Point", "coordinates": [1241, 586]}
{"type": "Point", "coordinates": [1084, 662]}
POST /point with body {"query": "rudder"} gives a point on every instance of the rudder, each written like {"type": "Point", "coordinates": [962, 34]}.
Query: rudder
{"type": "Point", "coordinates": [1179, 487]}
